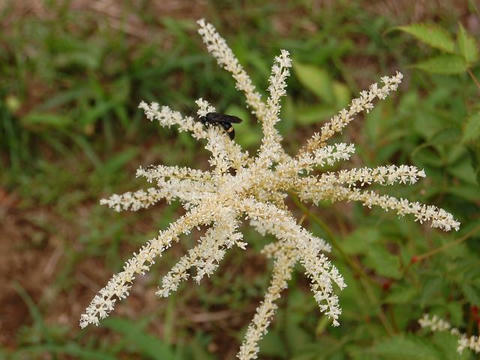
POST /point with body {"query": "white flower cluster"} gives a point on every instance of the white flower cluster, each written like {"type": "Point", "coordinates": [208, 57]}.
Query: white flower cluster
{"type": "Point", "coordinates": [434, 323]}
{"type": "Point", "coordinates": [240, 186]}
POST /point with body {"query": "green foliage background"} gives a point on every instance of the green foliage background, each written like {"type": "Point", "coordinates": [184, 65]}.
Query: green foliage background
{"type": "Point", "coordinates": [71, 77]}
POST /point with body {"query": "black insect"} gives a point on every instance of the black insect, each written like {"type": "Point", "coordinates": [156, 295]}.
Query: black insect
{"type": "Point", "coordinates": [225, 121]}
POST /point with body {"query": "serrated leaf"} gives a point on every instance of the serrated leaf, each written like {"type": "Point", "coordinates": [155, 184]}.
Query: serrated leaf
{"type": "Point", "coordinates": [448, 343]}
{"type": "Point", "coordinates": [463, 170]}
{"type": "Point", "coordinates": [315, 79]}
{"type": "Point", "coordinates": [471, 131]}
{"type": "Point", "coordinates": [471, 294]}
{"type": "Point", "coordinates": [467, 192]}
{"type": "Point", "coordinates": [467, 45]}
{"type": "Point", "coordinates": [425, 156]}
{"type": "Point", "coordinates": [474, 152]}
{"type": "Point", "coordinates": [403, 347]}
{"type": "Point", "coordinates": [383, 262]}
{"type": "Point", "coordinates": [456, 151]}
{"type": "Point", "coordinates": [432, 35]}
{"type": "Point", "coordinates": [443, 64]}
{"type": "Point", "coordinates": [455, 309]}
{"type": "Point", "coordinates": [450, 135]}
{"type": "Point", "coordinates": [361, 240]}
{"type": "Point", "coordinates": [401, 295]}
{"type": "Point", "coordinates": [431, 292]}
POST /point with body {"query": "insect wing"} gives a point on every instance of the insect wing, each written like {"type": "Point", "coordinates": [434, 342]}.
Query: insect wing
{"type": "Point", "coordinates": [217, 117]}
{"type": "Point", "coordinates": [232, 119]}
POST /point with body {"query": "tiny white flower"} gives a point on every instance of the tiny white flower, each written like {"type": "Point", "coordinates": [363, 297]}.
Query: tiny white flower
{"type": "Point", "coordinates": [434, 323]}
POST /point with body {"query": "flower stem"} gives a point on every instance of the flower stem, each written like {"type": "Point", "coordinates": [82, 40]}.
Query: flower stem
{"type": "Point", "coordinates": [445, 246]}
{"type": "Point", "coordinates": [474, 78]}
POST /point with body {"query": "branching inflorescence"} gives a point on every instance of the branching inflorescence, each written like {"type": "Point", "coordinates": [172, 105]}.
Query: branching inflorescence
{"type": "Point", "coordinates": [240, 186]}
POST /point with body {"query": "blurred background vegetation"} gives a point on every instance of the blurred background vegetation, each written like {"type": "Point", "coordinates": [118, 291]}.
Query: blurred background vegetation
{"type": "Point", "coordinates": [71, 76]}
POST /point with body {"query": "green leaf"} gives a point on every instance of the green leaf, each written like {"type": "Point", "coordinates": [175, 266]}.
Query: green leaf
{"type": "Point", "coordinates": [383, 262]}
{"type": "Point", "coordinates": [72, 349]}
{"type": "Point", "coordinates": [406, 347]}
{"type": "Point", "coordinates": [245, 132]}
{"type": "Point", "coordinates": [432, 35]}
{"type": "Point", "coordinates": [287, 115]}
{"type": "Point", "coordinates": [471, 294]}
{"type": "Point", "coordinates": [273, 345]}
{"type": "Point", "coordinates": [455, 309]}
{"type": "Point", "coordinates": [342, 94]}
{"type": "Point", "coordinates": [432, 292]}
{"type": "Point", "coordinates": [448, 343]}
{"type": "Point", "coordinates": [468, 192]}
{"type": "Point", "coordinates": [361, 240]}
{"type": "Point", "coordinates": [146, 344]}
{"type": "Point", "coordinates": [41, 121]}
{"type": "Point", "coordinates": [424, 156]}
{"type": "Point", "coordinates": [455, 152]}
{"type": "Point", "coordinates": [474, 152]}
{"type": "Point", "coordinates": [467, 45]}
{"type": "Point", "coordinates": [198, 348]}
{"type": "Point", "coordinates": [88, 60]}
{"type": "Point", "coordinates": [115, 164]}
{"type": "Point", "coordinates": [64, 98]}
{"type": "Point", "coordinates": [316, 80]}
{"type": "Point", "coordinates": [471, 131]}
{"type": "Point", "coordinates": [401, 295]}
{"type": "Point", "coordinates": [35, 312]}
{"type": "Point", "coordinates": [443, 64]}
{"type": "Point", "coordinates": [313, 114]}
{"type": "Point", "coordinates": [96, 112]}
{"type": "Point", "coordinates": [450, 135]}
{"type": "Point", "coordinates": [463, 170]}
